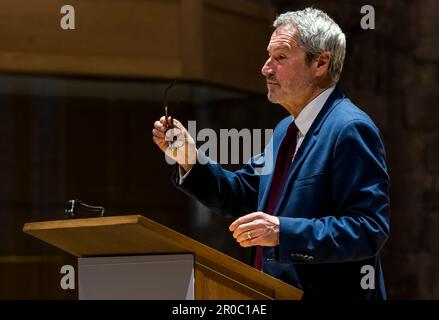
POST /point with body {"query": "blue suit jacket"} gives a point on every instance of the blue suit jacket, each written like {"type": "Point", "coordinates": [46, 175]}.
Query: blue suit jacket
{"type": "Point", "coordinates": [333, 212]}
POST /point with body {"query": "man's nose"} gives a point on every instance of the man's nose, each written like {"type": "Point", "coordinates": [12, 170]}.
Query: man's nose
{"type": "Point", "coordinates": [266, 68]}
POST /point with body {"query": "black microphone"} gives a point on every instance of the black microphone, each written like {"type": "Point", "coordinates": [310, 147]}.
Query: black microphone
{"type": "Point", "coordinates": [73, 207]}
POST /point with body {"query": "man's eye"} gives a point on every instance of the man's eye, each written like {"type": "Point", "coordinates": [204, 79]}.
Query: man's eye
{"type": "Point", "coordinates": [280, 57]}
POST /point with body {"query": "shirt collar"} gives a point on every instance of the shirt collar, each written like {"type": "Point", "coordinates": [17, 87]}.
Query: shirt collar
{"type": "Point", "coordinates": [307, 116]}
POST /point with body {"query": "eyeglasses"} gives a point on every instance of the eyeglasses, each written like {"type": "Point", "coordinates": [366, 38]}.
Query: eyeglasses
{"type": "Point", "coordinates": [169, 122]}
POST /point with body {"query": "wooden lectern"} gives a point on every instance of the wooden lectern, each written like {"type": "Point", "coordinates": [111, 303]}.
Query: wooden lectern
{"type": "Point", "coordinates": [134, 251]}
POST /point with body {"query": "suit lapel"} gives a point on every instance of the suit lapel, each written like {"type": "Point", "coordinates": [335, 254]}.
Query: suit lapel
{"type": "Point", "coordinates": [306, 146]}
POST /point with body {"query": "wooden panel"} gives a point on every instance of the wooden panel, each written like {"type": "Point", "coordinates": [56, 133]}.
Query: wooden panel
{"type": "Point", "coordinates": [138, 235]}
{"type": "Point", "coordinates": [212, 285]}
{"type": "Point", "coordinates": [15, 159]}
{"type": "Point", "coordinates": [236, 44]}
{"type": "Point", "coordinates": [191, 39]}
{"type": "Point", "coordinates": [112, 37]}
{"type": "Point", "coordinates": [209, 41]}
{"type": "Point", "coordinates": [96, 236]}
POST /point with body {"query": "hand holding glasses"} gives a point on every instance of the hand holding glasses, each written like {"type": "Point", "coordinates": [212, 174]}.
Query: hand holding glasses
{"type": "Point", "coordinates": [173, 138]}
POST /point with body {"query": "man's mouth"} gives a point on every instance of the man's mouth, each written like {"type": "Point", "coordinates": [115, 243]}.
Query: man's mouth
{"type": "Point", "coordinates": [272, 83]}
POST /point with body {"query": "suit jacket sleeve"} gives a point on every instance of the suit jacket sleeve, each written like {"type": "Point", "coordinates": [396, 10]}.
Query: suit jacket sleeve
{"type": "Point", "coordinates": [225, 192]}
{"type": "Point", "coordinates": [360, 225]}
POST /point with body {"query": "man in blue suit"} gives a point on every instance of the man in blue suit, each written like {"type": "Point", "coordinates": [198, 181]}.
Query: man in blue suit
{"type": "Point", "coordinates": [320, 217]}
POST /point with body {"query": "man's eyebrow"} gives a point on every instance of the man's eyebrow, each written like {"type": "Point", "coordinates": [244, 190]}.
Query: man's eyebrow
{"type": "Point", "coordinates": [278, 47]}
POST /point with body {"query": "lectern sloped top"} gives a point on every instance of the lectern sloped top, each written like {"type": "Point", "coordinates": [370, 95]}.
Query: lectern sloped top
{"type": "Point", "coordinates": [135, 234]}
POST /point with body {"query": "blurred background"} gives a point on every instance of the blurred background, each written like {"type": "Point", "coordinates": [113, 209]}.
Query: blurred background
{"type": "Point", "coordinates": [77, 108]}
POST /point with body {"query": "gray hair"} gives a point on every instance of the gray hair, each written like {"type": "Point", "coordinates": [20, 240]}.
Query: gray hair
{"type": "Point", "coordinates": [318, 33]}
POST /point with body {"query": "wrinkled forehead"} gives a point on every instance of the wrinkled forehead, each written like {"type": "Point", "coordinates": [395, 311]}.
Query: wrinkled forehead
{"type": "Point", "coordinates": [284, 37]}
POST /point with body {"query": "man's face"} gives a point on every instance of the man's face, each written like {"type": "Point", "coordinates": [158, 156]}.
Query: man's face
{"type": "Point", "coordinates": [289, 77]}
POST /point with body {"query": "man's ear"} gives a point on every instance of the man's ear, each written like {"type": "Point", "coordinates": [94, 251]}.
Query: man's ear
{"type": "Point", "coordinates": [322, 64]}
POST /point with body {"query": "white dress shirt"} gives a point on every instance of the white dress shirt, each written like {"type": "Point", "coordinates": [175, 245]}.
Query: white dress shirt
{"type": "Point", "coordinates": [303, 122]}
{"type": "Point", "coordinates": [307, 116]}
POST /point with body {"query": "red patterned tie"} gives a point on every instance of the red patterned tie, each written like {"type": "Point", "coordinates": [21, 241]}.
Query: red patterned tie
{"type": "Point", "coordinates": [283, 164]}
